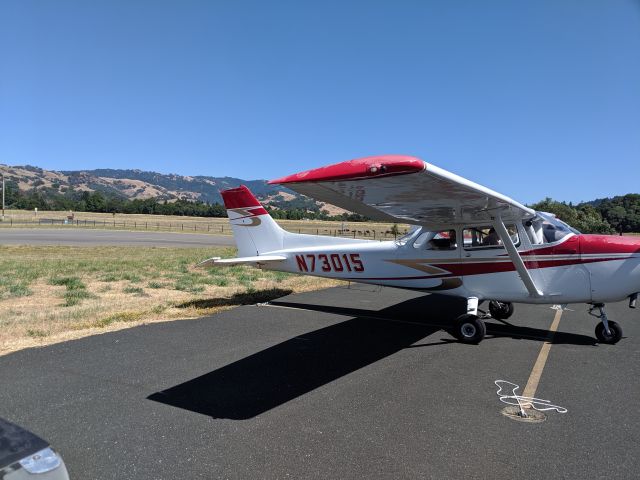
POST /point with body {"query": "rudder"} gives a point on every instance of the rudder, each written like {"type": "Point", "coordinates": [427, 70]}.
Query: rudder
{"type": "Point", "coordinates": [254, 230]}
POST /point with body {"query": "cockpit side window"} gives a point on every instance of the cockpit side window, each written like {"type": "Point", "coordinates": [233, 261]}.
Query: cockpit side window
{"type": "Point", "coordinates": [444, 240]}
{"type": "Point", "coordinates": [484, 237]}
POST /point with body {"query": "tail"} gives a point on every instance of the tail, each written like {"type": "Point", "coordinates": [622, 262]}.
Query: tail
{"type": "Point", "coordinates": [254, 230]}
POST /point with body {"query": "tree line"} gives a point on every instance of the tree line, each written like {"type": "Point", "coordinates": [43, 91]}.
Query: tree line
{"type": "Point", "coordinates": [610, 215]}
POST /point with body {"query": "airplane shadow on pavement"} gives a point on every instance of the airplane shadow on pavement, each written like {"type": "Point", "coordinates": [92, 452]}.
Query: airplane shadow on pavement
{"type": "Point", "coordinates": [283, 372]}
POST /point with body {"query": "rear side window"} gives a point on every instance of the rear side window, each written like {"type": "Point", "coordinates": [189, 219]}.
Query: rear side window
{"type": "Point", "coordinates": [483, 237]}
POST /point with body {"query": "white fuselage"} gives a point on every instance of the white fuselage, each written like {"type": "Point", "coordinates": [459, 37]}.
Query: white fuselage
{"type": "Point", "coordinates": [578, 268]}
{"type": "Point", "coordinates": [544, 261]}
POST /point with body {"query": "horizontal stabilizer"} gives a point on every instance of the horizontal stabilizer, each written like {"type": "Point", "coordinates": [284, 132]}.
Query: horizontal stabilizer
{"type": "Point", "coordinates": [241, 260]}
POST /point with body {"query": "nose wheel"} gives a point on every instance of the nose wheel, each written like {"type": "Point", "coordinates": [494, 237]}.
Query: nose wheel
{"type": "Point", "coordinates": [469, 329]}
{"type": "Point", "coordinates": [607, 331]}
{"type": "Point", "coordinates": [500, 310]}
{"type": "Point", "coordinates": [614, 334]}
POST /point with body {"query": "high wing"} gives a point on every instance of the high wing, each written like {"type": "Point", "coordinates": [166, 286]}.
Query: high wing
{"type": "Point", "coordinates": [399, 188]}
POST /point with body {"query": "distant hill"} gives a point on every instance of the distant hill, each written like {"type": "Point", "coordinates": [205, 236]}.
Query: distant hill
{"type": "Point", "coordinates": [139, 184]}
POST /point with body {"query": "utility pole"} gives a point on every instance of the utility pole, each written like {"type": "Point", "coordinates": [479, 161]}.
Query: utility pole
{"type": "Point", "coordinates": [3, 196]}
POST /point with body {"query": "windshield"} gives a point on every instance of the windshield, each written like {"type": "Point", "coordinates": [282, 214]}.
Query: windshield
{"type": "Point", "coordinates": [554, 222]}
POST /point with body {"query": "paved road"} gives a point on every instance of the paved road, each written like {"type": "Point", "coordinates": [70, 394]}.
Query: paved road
{"type": "Point", "coordinates": [333, 384]}
{"type": "Point", "coordinates": [89, 237]}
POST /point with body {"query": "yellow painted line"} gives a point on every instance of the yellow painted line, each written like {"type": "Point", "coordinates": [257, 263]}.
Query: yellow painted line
{"type": "Point", "coordinates": [538, 367]}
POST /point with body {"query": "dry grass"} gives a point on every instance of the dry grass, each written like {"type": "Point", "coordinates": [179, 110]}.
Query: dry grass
{"type": "Point", "coordinates": [23, 218]}
{"type": "Point", "coordinates": [51, 294]}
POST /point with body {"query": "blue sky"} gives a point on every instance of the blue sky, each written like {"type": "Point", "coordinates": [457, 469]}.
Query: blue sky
{"type": "Point", "coordinates": [532, 99]}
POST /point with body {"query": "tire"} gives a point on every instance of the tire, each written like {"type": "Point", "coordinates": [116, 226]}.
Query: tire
{"type": "Point", "coordinates": [469, 329]}
{"type": "Point", "coordinates": [614, 328]}
{"type": "Point", "coordinates": [500, 310]}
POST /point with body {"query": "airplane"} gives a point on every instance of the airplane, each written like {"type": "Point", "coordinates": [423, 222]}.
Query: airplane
{"type": "Point", "coordinates": [466, 240]}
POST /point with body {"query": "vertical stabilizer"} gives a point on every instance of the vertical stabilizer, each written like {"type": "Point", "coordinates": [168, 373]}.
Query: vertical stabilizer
{"type": "Point", "coordinates": [254, 230]}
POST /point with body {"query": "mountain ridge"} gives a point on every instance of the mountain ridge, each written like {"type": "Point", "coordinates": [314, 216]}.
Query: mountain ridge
{"type": "Point", "coordinates": [135, 184]}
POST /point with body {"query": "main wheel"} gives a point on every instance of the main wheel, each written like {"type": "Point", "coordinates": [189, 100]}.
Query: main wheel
{"type": "Point", "coordinates": [500, 310]}
{"type": "Point", "coordinates": [469, 329]}
{"type": "Point", "coordinates": [614, 337]}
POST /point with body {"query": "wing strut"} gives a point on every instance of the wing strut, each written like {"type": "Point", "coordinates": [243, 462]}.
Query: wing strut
{"type": "Point", "coordinates": [498, 224]}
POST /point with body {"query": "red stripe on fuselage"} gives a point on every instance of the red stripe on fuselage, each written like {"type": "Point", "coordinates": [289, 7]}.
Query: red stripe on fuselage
{"type": "Point", "coordinates": [602, 244]}
{"type": "Point", "coordinates": [589, 245]}
{"type": "Point", "coordinates": [483, 268]}
{"type": "Point", "coordinates": [493, 266]}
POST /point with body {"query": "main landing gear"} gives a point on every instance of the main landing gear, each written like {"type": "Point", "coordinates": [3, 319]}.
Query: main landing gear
{"type": "Point", "coordinates": [470, 327]}
{"type": "Point", "coordinates": [607, 331]}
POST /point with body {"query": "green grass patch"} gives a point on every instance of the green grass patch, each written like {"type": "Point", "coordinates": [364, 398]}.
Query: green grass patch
{"type": "Point", "coordinates": [192, 282]}
{"type": "Point", "coordinates": [74, 297]}
{"type": "Point", "coordinates": [119, 276]}
{"type": "Point", "coordinates": [133, 290]}
{"type": "Point", "coordinates": [154, 284]}
{"type": "Point", "coordinates": [132, 277]}
{"type": "Point", "coordinates": [110, 277]}
{"type": "Point", "coordinates": [103, 322]}
{"type": "Point", "coordinates": [188, 286]}
{"type": "Point", "coordinates": [158, 309]}
{"type": "Point", "coordinates": [280, 276]}
{"type": "Point", "coordinates": [36, 333]}
{"type": "Point", "coordinates": [118, 317]}
{"type": "Point", "coordinates": [72, 283]}
{"type": "Point", "coordinates": [247, 277]}
{"type": "Point", "coordinates": [76, 290]}
{"type": "Point", "coordinates": [19, 290]}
